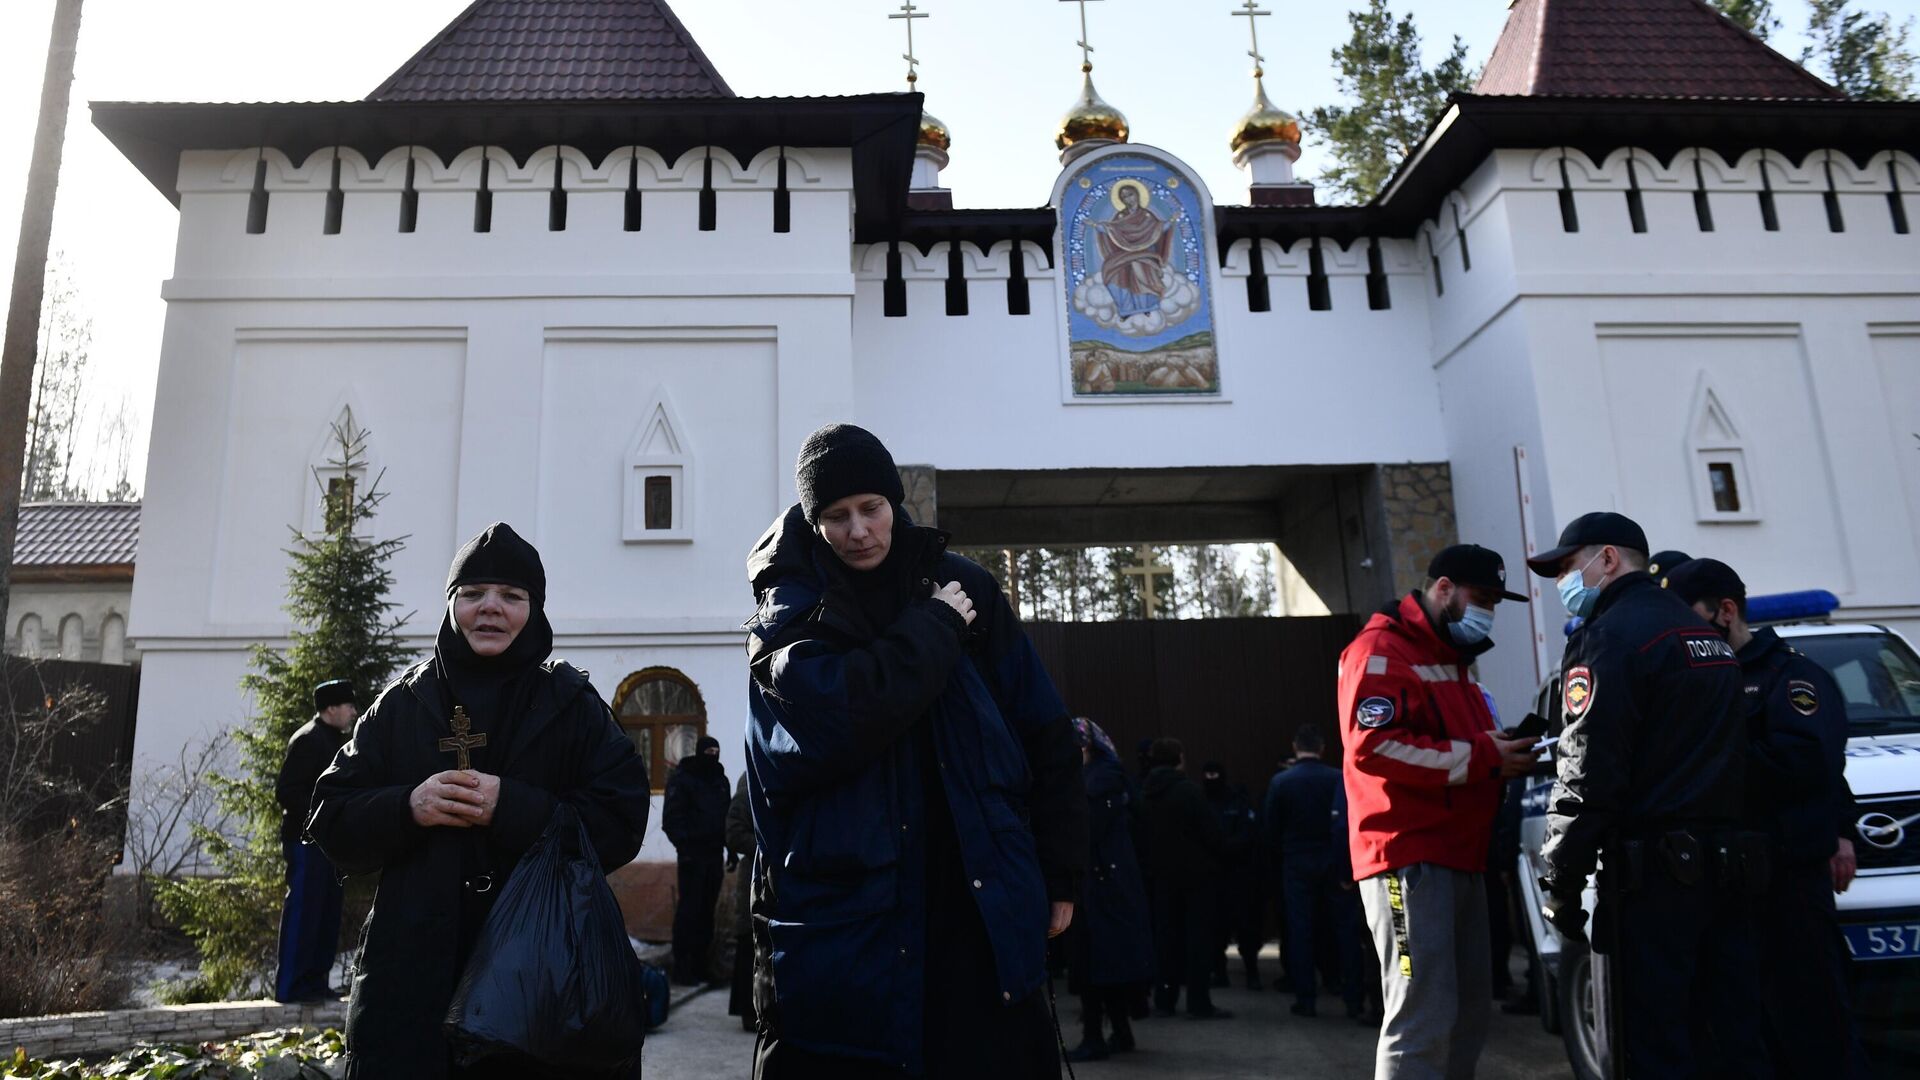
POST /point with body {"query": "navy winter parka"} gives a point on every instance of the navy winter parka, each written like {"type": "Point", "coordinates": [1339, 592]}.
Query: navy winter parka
{"type": "Point", "coordinates": [840, 876]}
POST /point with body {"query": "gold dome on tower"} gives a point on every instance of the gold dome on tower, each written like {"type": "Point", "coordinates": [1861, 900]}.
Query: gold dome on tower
{"type": "Point", "coordinates": [934, 133]}
{"type": "Point", "coordinates": [1265, 122]}
{"type": "Point", "coordinates": [1090, 117]}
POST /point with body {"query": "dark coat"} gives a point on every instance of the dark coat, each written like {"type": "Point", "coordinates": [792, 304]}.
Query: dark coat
{"type": "Point", "coordinates": [694, 813]}
{"type": "Point", "coordinates": [1656, 737]}
{"type": "Point", "coordinates": [566, 748]}
{"type": "Point", "coordinates": [1185, 843]}
{"type": "Point", "coordinates": [740, 844]}
{"type": "Point", "coordinates": [309, 753]}
{"type": "Point", "coordinates": [1299, 810]}
{"type": "Point", "coordinates": [837, 706]}
{"type": "Point", "coordinates": [1797, 754]}
{"type": "Point", "coordinates": [1115, 946]}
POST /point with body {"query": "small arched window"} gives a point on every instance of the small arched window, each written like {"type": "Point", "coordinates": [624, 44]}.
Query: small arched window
{"type": "Point", "coordinates": [113, 640]}
{"type": "Point", "coordinates": [663, 713]}
{"type": "Point", "coordinates": [30, 636]}
{"type": "Point", "coordinates": [72, 638]}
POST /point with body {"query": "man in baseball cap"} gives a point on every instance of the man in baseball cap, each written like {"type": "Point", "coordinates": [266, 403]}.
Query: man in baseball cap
{"type": "Point", "coordinates": [1650, 770]}
{"type": "Point", "coordinates": [1797, 795]}
{"type": "Point", "coordinates": [1425, 768]}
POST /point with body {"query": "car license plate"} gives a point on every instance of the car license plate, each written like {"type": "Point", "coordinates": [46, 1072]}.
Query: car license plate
{"type": "Point", "coordinates": [1884, 941]}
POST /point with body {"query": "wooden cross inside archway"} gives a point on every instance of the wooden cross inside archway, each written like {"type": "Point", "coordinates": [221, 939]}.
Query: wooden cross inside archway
{"type": "Point", "coordinates": [1147, 571]}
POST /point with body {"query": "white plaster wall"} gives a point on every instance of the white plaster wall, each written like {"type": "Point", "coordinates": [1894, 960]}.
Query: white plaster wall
{"type": "Point", "coordinates": [1593, 344]}
{"type": "Point", "coordinates": [1298, 387]}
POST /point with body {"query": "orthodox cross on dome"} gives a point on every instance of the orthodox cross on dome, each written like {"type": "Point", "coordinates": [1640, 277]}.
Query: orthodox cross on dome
{"type": "Point", "coordinates": [909, 13]}
{"type": "Point", "coordinates": [462, 742]}
{"type": "Point", "coordinates": [1086, 50]}
{"type": "Point", "coordinates": [1252, 12]}
{"type": "Point", "coordinates": [1147, 571]}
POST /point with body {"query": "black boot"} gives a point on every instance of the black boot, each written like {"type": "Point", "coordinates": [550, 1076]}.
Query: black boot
{"type": "Point", "coordinates": [1122, 1040]}
{"type": "Point", "coordinates": [1090, 1049]}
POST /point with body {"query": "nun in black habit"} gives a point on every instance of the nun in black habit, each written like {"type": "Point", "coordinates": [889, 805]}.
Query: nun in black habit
{"type": "Point", "coordinates": [531, 733]}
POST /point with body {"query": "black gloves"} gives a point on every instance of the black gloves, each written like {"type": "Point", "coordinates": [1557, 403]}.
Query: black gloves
{"type": "Point", "coordinates": [1561, 907]}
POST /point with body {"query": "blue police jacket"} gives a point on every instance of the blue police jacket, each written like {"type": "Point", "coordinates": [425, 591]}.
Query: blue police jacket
{"type": "Point", "coordinates": [840, 880]}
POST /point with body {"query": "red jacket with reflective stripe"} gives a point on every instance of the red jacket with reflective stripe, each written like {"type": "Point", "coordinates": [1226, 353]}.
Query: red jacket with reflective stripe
{"type": "Point", "coordinates": [1422, 772]}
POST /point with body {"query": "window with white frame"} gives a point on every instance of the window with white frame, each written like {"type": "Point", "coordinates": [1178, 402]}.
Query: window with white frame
{"type": "Point", "coordinates": [658, 477]}
{"type": "Point", "coordinates": [1717, 461]}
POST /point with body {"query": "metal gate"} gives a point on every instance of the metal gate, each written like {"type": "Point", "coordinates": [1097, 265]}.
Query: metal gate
{"type": "Point", "coordinates": [1231, 690]}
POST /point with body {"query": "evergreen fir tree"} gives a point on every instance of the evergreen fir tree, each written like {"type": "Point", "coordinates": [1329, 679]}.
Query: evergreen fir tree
{"type": "Point", "coordinates": [1395, 100]}
{"type": "Point", "coordinates": [344, 628]}
{"type": "Point", "coordinates": [1866, 55]}
{"type": "Point", "coordinates": [1754, 16]}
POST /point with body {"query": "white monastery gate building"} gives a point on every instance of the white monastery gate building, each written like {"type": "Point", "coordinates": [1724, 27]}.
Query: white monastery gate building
{"type": "Point", "coordinates": [1665, 272]}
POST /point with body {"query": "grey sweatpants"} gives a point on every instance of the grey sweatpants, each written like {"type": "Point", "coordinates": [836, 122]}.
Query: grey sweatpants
{"type": "Point", "coordinates": [1429, 927]}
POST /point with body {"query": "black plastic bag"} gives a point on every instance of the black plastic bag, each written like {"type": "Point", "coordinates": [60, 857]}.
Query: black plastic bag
{"type": "Point", "coordinates": [553, 977]}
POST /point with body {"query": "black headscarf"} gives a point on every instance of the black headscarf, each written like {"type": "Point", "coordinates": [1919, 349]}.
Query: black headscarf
{"type": "Point", "coordinates": [496, 690]}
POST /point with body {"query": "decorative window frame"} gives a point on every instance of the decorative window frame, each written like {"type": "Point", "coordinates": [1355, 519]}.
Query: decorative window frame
{"type": "Point", "coordinates": [659, 447]}
{"type": "Point", "coordinates": [1713, 439]}
{"type": "Point", "coordinates": [321, 472]}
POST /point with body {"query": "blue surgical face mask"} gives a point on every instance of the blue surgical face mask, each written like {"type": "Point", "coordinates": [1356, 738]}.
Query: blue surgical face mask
{"type": "Point", "coordinates": [1575, 593]}
{"type": "Point", "coordinates": [1473, 626]}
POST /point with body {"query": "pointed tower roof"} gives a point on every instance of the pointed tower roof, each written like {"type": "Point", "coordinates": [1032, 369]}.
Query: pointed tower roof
{"type": "Point", "coordinates": [558, 50]}
{"type": "Point", "coordinates": [1638, 48]}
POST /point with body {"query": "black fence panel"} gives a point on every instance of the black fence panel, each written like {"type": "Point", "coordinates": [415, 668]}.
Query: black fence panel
{"type": "Point", "coordinates": [97, 755]}
{"type": "Point", "coordinates": [1232, 690]}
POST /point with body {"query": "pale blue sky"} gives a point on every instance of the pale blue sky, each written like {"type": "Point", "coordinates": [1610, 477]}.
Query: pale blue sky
{"type": "Point", "coordinates": [999, 72]}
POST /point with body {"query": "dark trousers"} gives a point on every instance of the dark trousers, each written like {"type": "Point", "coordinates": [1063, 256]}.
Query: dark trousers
{"type": "Point", "coordinates": [309, 925]}
{"type": "Point", "coordinates": [1237, 923]}
{"type": "Point", "coordinates": [1809, 1024]}
{"type": "Point", "coordinates": [1686, 969]}
{"type": "Point", "coordinates": [1183, 941]}
{"type": "Point", "coordinates": [1308, 883]}
{"type": "Point", "coordinates": [1103, 1005]}
{"type": "Point", "coordinates": [700, 875]}
{"type": "Point", "coordinates": [740, 996]}
{"type": "Point", "coordinates": [1359, 968]}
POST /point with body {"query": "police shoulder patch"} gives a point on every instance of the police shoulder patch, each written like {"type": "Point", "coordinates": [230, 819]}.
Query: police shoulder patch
{"type": "Point", "coordinates": [1803, 698]}
{"type": "Point", "coordinates": [1578, 693]}
{"type": "Point", "coordinates": [1374, 712]}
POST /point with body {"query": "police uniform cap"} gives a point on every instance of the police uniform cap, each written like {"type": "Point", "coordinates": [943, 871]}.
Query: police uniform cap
{"type": "Point", "coordinates": [1662, 562]}
{"type": "Point", "coordinates": [1475, 566]}
{"type": "Point", "coordinates": [1706, 579]}
{"type": "Point", "coordinates": [1598, 529]}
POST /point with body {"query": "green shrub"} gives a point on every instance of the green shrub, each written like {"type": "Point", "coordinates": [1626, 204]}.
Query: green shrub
{"type": "Point", "coordinates": [275, 1055]}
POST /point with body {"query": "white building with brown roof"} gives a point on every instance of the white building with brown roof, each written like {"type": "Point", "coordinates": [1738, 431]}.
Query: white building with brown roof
{"type": "Point", "coordinates": [73, 582]}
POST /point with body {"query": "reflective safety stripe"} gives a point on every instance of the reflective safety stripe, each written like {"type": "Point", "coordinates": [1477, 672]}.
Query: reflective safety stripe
{"type": "Point", "coordinates": [1398, 910]}
{"type": "Point", "coordinates": [1437, 672]}
{"type": "Point", "coordinates": [1455, 760]}
{"type": "Point", "coordinates": [1376, 665]}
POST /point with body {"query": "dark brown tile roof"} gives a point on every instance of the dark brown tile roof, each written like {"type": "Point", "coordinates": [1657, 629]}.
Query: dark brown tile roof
{"type": "Point", "coordinates": [1650, 48]}
{"type": "Point", "coordinates": [558, 50]}
{"type": "Point", "coordinates": [77, 534]}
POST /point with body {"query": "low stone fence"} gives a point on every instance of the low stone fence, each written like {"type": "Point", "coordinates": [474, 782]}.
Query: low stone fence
{"type": "Point", "coordinates": [74, 1034]}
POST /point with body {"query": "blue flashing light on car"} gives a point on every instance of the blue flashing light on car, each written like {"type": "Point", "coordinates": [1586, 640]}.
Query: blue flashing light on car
{"type": "Point", "coordinates": [1803, 606]}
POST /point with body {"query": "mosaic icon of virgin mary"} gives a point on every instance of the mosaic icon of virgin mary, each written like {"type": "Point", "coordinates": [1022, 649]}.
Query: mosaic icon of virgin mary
{"type": "Point", "coordinates": [1135, 246]}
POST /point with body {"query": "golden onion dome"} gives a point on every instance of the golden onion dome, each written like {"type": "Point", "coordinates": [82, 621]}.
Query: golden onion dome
{"type": "Point", "coordinates": [1265, 122]}
{"type": "Point", "coordinates": [934, 133]}
{"type": "Point", "coordinates": [1090, 118]}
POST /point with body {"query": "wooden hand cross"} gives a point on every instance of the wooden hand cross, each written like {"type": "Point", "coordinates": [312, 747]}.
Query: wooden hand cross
{"type": "Point", "coordinates": [461, 742]}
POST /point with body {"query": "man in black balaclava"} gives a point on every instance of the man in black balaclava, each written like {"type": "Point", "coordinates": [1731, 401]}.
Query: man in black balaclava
{"type": "Point", "coordinates": [1237, 904]}
{"type": "Point", "coordinates": [695, 819]}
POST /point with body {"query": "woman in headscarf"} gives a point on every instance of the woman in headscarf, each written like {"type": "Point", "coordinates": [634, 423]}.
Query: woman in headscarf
{"type": "Point", "coordinates": [916, 791]}
{"type": "Point", "coordinates": [449, 777]}
{"type": "Point", "coordinates": [1111, 955]}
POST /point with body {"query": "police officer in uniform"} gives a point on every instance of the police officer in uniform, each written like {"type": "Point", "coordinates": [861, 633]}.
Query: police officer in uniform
{"type": "Point", "coordinates": [1651, 766]}
{"type": "Point", "coordinates": [1660, 563]}
{"type": "Point", "coordinates": [1796, 785]}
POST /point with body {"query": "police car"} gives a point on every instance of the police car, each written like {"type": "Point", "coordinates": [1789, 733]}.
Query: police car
{"type": "Point", "coordinates": [1879, 674]}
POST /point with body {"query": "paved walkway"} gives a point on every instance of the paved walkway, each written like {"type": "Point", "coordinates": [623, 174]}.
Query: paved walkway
{"type": "Point", "coordinates": [701, 1042]}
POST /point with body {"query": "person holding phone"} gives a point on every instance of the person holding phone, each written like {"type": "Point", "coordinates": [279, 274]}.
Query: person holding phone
{"type": "Point", "coordinates": [1425, 762]}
